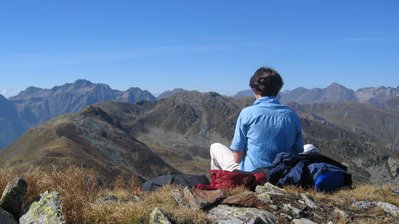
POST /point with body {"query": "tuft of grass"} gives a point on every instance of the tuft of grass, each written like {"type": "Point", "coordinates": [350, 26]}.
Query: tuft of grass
{"type": "Point", "coordinates": [364, 192]}
{"type": "Point", "coordinates": [139, 212]}
{"type": "Point", "coordinates": [77, 187]}
{"type": "Point", "coordinates": [6, 176]}
{"type": "Point", "coordinates": [235, 191]}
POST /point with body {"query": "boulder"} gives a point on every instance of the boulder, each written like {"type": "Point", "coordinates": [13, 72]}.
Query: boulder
{"type": "Point", "coordinates": [47, 210]}
{"type": "Point", "coordinates": [6, 217]}
{"type": "Point", "coordinates": [196, 199]}
{"type": "Point", "coordinates": [224, 214]}
{"type": "Point", "coordinates": [13, 196]}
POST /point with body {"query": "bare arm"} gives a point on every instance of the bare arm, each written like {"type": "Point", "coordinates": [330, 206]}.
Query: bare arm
{"type": "Point", "coordinates": [238, 156]}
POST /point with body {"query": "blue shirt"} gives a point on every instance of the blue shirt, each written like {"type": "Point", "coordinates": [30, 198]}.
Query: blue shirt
{"type": "Point", "coordinates": [265, 129]}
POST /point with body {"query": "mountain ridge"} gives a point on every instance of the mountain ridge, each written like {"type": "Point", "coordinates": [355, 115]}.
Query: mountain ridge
{"type": "Point", "coordinates": [179, 129]}
{"type": "Point", "coordinates": [335, 93]}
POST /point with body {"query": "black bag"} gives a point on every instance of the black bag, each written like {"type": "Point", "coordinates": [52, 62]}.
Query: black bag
{"type": "Point", "coordinates": [178, 179]}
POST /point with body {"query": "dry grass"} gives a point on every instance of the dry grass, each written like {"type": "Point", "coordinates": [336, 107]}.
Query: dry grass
{"type": "Point", "coordinates": [360, 193]}
{"type": "Point", "coordinates": [139, 212]}
{"type": "Point", "coordinates": [76, 186]}
{"type": "Point", "coordinates": [80, 190]}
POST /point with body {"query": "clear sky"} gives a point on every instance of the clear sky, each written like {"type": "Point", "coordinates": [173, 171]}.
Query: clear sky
{"type": "Point", "coordinates": [206, 45]}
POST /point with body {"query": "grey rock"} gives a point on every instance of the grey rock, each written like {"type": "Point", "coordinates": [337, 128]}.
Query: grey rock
{"type": "Point", "coordinates": [193, 203]}
{"type": "Point", "coordinates": [179, 197]}
{"type": "Point", "coordinates": [270, 187]}
{"type": "Point", "coordinates": [273, 207]}
{"type": "Point", "coordinates": [6, 217]}
{"type": "Point", "coordinates": [13, 196]}
{"type": "Point", "coordinates": [273, 190]}
{"type": "Point", "coordinates": [292, 209]}
{"type": "Point", "coordinates": [260, 189]}
{"type": "Point", "coordinates": [185, 198]}
{"type": "Point", "coordinates": [47, 210]}
{"type": "Point", "coordinates": [303, 221]}
{"type": "Point", "coordinates": [309, 201]}
{"type": "Point", "coordinates": [223, 214]}
{"type": "Point", "coordinates": [135, 198]}
{"type": "Point", "coordinates": [157, 217]}
{"type": "Point", "coordinates": [389, 208]}
{"type": "Point", "coordinates": [265, 198]}
{"type": "Point", "coordinates": [363, 205]}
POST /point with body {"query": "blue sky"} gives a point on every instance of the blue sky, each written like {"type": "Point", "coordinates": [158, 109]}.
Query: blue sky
{"type": "Point", "coordinates": [207, 45]}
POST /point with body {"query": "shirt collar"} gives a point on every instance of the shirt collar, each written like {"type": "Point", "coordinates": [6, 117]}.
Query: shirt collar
{"type": "Point", "coordinates": [267, 100]}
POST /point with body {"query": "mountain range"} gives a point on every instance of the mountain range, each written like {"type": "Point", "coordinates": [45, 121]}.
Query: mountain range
{"type": "Point", "coordinates": [173, 135]}
{"type": "Point", "coordinates": [132, 132]}
{"type": "Point", "coordinates": [380, 97]}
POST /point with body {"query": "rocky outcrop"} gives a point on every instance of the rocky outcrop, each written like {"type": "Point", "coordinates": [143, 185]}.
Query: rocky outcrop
{"type": "Point", "coordinates": [271, 204]}
{"type": "Point", "coordinates": [13, 196]}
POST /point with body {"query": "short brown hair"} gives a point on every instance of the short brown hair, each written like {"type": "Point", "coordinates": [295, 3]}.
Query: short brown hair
{"type": "Point", "coordinates": [266, 82]}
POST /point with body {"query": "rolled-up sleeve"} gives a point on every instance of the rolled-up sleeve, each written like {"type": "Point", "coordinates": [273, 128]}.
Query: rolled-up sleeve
{"type": "Point", "coordinates": [239, 142]}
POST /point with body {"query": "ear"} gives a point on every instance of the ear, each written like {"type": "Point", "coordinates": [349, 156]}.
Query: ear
{"type": "Point", "coordinates": [257, 94]}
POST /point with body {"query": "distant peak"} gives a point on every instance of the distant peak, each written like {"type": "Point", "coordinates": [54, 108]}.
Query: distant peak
{"type": "Point", "coordinates": [334, 84]}
{"type": "Point", "coordinates": [30, 90]}
{"type": "Point", "coordinates": [82, 83]}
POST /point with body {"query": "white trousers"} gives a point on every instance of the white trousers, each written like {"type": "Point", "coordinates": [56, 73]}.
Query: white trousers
{"type": "Point", "coordinates": [222, 158]}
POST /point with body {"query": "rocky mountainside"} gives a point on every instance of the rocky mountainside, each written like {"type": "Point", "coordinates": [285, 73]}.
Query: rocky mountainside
{"type": "Point", "coordinates": [177, 131]}
{"type": "Point", "coordinates": [377, 96]}
{"type": "Point", "coordinates": [392, 104]}
{"type": "Point", "coordinates": [91, 139]}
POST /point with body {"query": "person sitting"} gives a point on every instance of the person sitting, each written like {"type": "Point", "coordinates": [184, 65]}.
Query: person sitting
{"type": "Point", "coordinates": [262, 130]}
